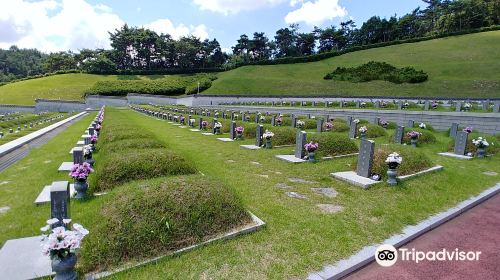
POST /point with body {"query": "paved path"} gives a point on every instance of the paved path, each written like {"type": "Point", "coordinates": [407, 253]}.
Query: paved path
{"type": "Point", "coordinates": [13, 156]}
{"type": "Point", "coordinates": [476, 230]}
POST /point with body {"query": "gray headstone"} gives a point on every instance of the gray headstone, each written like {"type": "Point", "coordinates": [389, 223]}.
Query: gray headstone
{"type": "Point", "coordinates": [232, 116]}
{"type": "Point", "coordinates": [365, 158]}
{"type": "Point", "coordinates": [232, 130]}
{"type": "Point", "coordinates": [398, 136]}
{"type": "Point", "coordinates": [411, 123]}
{"type": "Point", "coordinates": [358, 104]}
{"type": "Point", "coordinates": [243, 117]}
{"type": "Point", "coordinates": [308, 116]}
{"type": "Point", "coordinates": [349, 120]}
{"type": "Point", "coordinates": [377, 104]}
{"type": "Point", "coordinates": [496, 107]}
{"type": "Point", "coordinates": [458, 106]}
{"type": "Point", "coordinates": [453, 130]}
{"type": "Point", "coordinates": [461, 142]}
{"type": "Point", "coordinates": [300, 141]}
{"type": "Point", "coordinates": [294, 121]}
{"type": "Point", "coordinates": [400, 105]}
{"type": "Point", "coordinates": [213, 125]}
{"type": "Point", "coordinates": [77, 155]}
{"type": "Point", "coordinates": [273, 120]}
{"type": "Point", "coordinates": [257, 116]}
{"type": "Point", "coordinates": [59, 201]}
{"type": "Point", "coordinates": [485, 105]}
{"type": "Point", "coordinates": [319, 125]}
{"type": "Point", "coordinates": [341, 104]}
{"type": "Point", "coordinates": [376, 120]}
{"type": "Point", "coordinates": [86, 139]}
{"type": "Point", "coordinates": [258, 136]}
{"type": "Point", "coordinates": [200, 121]}
{"type": "Point", "coordinates": [352, 130]}
{"type": "Point", "coordinates": [427, 105]}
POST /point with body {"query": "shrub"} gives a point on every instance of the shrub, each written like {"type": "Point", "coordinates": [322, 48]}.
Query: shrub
{"type": "Point", "coordinates": [426, 137]}
{"type": "Point", "coordinates": [282, 135]}
{"type": "Point", "coordinates": [413, 160]}
{"type": "Point", "coordinates": [152, 218]}
{"type": "Point", "coordinates": [126, 144]}
{"type": "Point", "coordinates": [333, 144]}
{"type": "Point", "coordinates": [118, 168]}
{"type": "Point", "coordinates": [493, 148]}
{"type": "Point", "coordinates": [375, 131]}
{"type": "Point", "coordinates": [377, 71]}
{"type": "Point", "coordinates": [124, 87]}
{"type": "Point", "coordinates": [193, 88]}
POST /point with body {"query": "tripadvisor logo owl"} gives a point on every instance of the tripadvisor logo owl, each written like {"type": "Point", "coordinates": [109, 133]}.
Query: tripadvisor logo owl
{"type": "Point", "coordinates": [386, 255]}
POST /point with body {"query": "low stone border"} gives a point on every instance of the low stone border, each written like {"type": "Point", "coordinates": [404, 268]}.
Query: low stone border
{"type": "Point", "coordinates": [430, 170]}
{"type": "Point", "coordinates": [14, 144]}
{"type": "Point", "coordinates": [340, 156]}
{"type": "Point", "coordinates": [254, 226]}
{"type": "Point", "coordinates": [366, 255]}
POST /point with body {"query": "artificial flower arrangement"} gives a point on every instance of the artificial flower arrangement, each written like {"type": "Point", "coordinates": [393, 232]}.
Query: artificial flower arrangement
{"type": "Point", "coordinates": [218, 125]}
{"type": "Point", "coordinates": [93, 139]}
{"type": "Point", "coordinates": [383, 104]}
{"type": "Point", "coordinates": [182, 119]}
{"type": "Point", "coordinates": [98, 127]}
{"type": "Point", "coordinates": [204, 125]}
{"type": "Point", "coordinates": [311, 149]}
{"type": "Point", "coordinates": [467, 106]}
{"type": "Point", "coordinates": [480, 142]}
{"type": "Point", "coordinates": [268, 135]}
{"type": "Point", "coordinates": [262, 119]}
{"type": "Point", "coordinates": [422, 126]}
{"type": "Point", "coordinates": [384, 123]}
{"type": "Point", "coordinates": [434, 105]}
{"type": "Point", "coordinates": [87, 152]}
{"type": "Point", "coordinates": [328, 126]}
{"type": "Point", "coordinates": [406, 105]}
{"type": "Point", "coordinates": [356, 121]}
{"type": "Point", "coordinates": [363, 104]}
{"type": "Point", "coordinates": [59, 242]}
{"type": "Point", "coordinates": [394, 160]}
{"type": "Point", "coordinates": [363, 129]}
{"type": "Point", "coordinates": [279, 120]}
{"type": "Point", "coordinates": [301, 124]}
{"type": "Point", "coordinates": [413, 134]}
{"type": "Point", "coordinates": [468, 129]}
{"type": "Point", "coordinates": [80, 171]}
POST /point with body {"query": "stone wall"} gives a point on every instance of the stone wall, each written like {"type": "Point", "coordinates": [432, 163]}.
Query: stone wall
{"type": "Point", "coordinates": [43, 105]}
{"type": "Point", "coordinates": [16, 108]}
{"type": "Point", "coordinates": [96, 102]}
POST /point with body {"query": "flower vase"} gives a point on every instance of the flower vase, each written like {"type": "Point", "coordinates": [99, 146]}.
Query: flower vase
{"type": "Point", "coordinates": [90, 161]}
{"type": "Point", "coordinates": [481, 152]}
{"type": "Point", "coordinates": [239, 136]}
{"type": "Point", "coordinates": [81, 187]}
{"type": "Point", "coordinates": [391, 176]}
{"type": "Point", "coordinates": [65, 267]}
{"type": "Point", "coordinates": [363, 135]}
{"type": "Point", "coordinates": [312, 156]}
{"type": "Point", "coordinates": [217, 131]}
{"type": "Point", "coordinates": [413, 142]}
{"type": "Point", "coordinates": [269, 144]}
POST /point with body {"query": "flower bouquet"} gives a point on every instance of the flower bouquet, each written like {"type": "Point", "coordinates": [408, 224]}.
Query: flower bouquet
{"type": "Point", "coordinates": [268, 135]}
{"type": "Point", "coordinates": [384, 123]}
{"type": "Point", "coordinates": [363, 131]}
{"type": "Point", "coordinates": [204, 125]}
{"type": "Point", "coordinates": [328, 126]}
{"type": "Point", "coordinates": [468, 129]}
{"type": "Point", "coordinates": [279, 121]}
{"type": "Point", "coordinates": [217, 127]}
{"type": "Point", "coordinates": [422, 126]}
{"type": "Point", "coordinates": [311, 149]}
{"type": "Point", "coordinates": [481, 145]}
{"type": "Point", "coordinates": [413, 135]}
{"type": "Point", "coordinates": [79, 172]}
{"type": "Point", "coordinates": [301, 124]}
{"type": "Point", "coordinates": [239, 132]}
{"type": "Point", "coordinates": [393, 161]}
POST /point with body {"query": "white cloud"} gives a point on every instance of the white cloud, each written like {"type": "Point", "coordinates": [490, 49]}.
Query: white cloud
{"type": "Point", "coordinates": [166, 26]}
{"type": "Point", "coordinates": [235, 6]}
{"type": "Point", "coordinates": [51, 25]}
{"type": "Point", "coordinates": [315, 12]}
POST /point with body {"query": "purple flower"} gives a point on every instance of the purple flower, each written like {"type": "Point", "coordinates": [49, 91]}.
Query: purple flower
{"type": "Point", "coordinates": [468, 129]}
{"type": "Point", "coordinates": [80, 171]}
{"type": "Point", "coordinates": [311, 147]}
{"type": "Point", "coordinates": [328, 125]}
{"type": "Point", "coordinates": [239, 129]}
{"type": "Point", "coordinates": [413, 134]}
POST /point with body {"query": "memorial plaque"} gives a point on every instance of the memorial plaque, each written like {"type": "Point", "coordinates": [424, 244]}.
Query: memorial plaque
{"type": "Point", "coordinates": [411, 123]}
{"type": "Point", "coordinates": [200, 121]}
{"type": "Point", "coordinates": [458, 106]}
{"type": "Point", "coordinates": [77, 155]}
{"type": "Point", "coordinates": [427, 105]}
{"type": "Point", "coordinates": [376, 120]}
{"type": "Point", "coordinates": [300, 141]}
{"type": "Point", "coordinates": [232, 130]}
{"type": "Point", "coordinates": [59, 202]}
{"type": "Point", "coordinates": [496, 107]}
{"type": "Point", "coordinates": [273, 120]}
{"type": "Point", "coordinates": [461, 142]}
{"type": "Point", "coordinates": [398, 136]}
{"type": "Point", "coordinates": [365, 158]}
{"type": "Point", "coordinates": [453, 130]}
{"type": "Point", "coordinates": [319, 125]}
{"type": "Point", "coordinates": [258, 136]}
{"type": "Point", "coordinates": [352, 130]}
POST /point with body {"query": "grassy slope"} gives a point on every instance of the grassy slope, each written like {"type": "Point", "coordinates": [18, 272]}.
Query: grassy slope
{"type": "Point", "coordinates": [67, 87]}
{"type": "Point", "coordinates": [465, 66]}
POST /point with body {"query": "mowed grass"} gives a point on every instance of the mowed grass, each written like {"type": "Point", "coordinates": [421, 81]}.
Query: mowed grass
{"type": "Point", "coordinates": [65, 87]}
{"type": "Point", "coordinates": [298, 238]}
{"type": "Point", "coordinates": [460, 66]}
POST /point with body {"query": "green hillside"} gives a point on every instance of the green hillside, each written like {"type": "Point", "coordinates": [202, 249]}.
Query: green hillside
{"type": "Point", "coordinates": [465, 66]}
{"type": "Point", "coordinates": [461, 66]}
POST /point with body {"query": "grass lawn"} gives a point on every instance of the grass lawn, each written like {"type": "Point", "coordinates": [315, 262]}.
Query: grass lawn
{"type": "Point", "coordinates": [298, 238]}
{"type": "Point", "coordinates": [460, 66]}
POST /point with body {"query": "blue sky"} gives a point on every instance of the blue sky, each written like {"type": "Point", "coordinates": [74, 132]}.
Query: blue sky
{"type": "Point", "coordinates": [53, 25]}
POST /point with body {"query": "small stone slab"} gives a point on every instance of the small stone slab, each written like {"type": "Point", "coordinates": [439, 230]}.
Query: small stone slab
{"type": "Point", "coordinates": [490, 173]}
{"type": "Point", "coordinates": [4, 209]}
{"type": "Point", "coordinates": [455, 156]}
{"type": "Point", "coordinates": [290, 158]}
{"type": "Point", "coordinates": [177, 124]}
{"type": "Point", "coordinates": [282, 186]}
{"type": "Point", "coordinates": [44, 196]}
{"type": "Point", "coordinates": [330, 208]}
{"type": "Point", "coordinates": [263, 176]}
{"type": "Point", "coordinates": [207, 134]}
{"type": "Point", "coordinates": [296, 195]}
{"type": "Point", "coordinates": [328, 192]}
{"type": "Point", "coordinates": [430, 170]}
{"type": "Point", "coordinates": [231, 161]}
{"type": "Point", "coordinates": [65, 166]}
{"type": "Point", "coordinates": [299, 180]}
{"type": "Point", "coordinates": [225, 139]}
{"type": "Point", "coordinates": [195, 130]}
{"type": "Point", "coordinates": [170, 122]}
{"type": "Point", "coordinates": [81, 142]}
{"type": "Point", "coordinates": [250, 147]}
{"type": "Point", "coordinates": [22, 259]}
{"type": "Point", "coordinates": [340, 156]}
{"type": "Point", "coordinates": [352, 178]}
{"type": "Point", "coordinates": [182, 126]}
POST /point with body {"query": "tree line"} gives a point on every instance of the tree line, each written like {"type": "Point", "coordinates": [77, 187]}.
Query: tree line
{"type": "Point", "coordinates": [140, 49]}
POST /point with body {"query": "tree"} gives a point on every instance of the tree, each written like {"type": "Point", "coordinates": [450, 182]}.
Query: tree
{"type": "Point", "coordinates": [286, 41]}
{"type": "Point", "coordinates": [59, 61]}
{"type": "Point", "coordinates": [306, 43]}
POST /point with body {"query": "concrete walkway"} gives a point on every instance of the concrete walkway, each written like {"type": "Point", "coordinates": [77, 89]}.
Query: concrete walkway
{"type": "Point", "coordinates": [475, 230]}
{"type": "Point", "coordinates": [19, 148]}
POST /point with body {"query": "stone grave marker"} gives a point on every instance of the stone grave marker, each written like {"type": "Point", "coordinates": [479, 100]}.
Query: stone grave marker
{"type": "Point", "coordinates": [485, 105]}
{"type": "Point", "coordinates": [232, 130]}
{"type": "Point", "coordinates": [294, 121]}
{"type": "Point", "coordinates": [214, 121]}
{"type": "Point", "coordinates": [243, 117]}
{"type": "Point", "coordinates": [398, 136]}
{"type": "Point", "coordinates": [352, 130]}
{"type": "Point", "coordinates": [453, 130]}
{"type": "Point", "coordinates": [358, 104]}
{"type": "Point", "coordinates": [461, 142]}
{"type": "Point", "coordinates": [411, 123]}
{"type": "Point", "coordinates": [400, 105]}
{"type": "Point", "coordinates": [258, 136]}
{"type": "Point", "coordinates": [377, 104]}
{"type": "Point", "coordinates": [232, 116]}
{"type": "Point", "coordinates": [273, 120]}
{"type": "Point", "coordinates": [319, 125]}
{"type": "Point", "coordinates": [427, 105]}
{"type": "Point", "coordinates": [365, 158]}
{"type": "Point", "coordinates": [86, 139]}
{"type": "Point", "coordinates": [496, 107]}
{"type": "Point", "coordinates": [257, 116]}
{"type": "Point", "coordinates": [342, 104]}
{"type": "Point", "coordinates": [77, 155]}
{"type": "Point", "coordinates": [376, 120]}
{"type": "Point", "coordinates": [349, 120]}
{"type": "Point", "coordinates": [59, 202]}
{"type": "Point", "coordinates": [300, 141]}
{"type": "Point", "coordinates": [200, 121]}
{"type": "Point", "coordinates": [458, 106]}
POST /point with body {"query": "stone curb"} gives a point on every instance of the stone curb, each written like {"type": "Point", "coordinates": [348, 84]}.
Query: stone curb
{"type": "Point", "coordinates": [366, 255]}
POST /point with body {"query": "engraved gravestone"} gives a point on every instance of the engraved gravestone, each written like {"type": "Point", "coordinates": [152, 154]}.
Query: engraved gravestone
{"type": "Point", "coordinates": [308, 116]}
{"type": "Point", "coordinates": [400, 105]}
{"type": "Point", "coordinates": [411, 123]}
{"type": "Point", "coordinates": [453, 130]}
{"type": "Point", "coordinates": [365, 158]}
{"type": "Point", "coordinates": [341, 104]}
{"type": "Point", "coordinates": [377, 104]}
{"type": "Point", "coordinates": [349, 120]}
{"type": "Point", "coordinates": [319, 125]}
{"type": "Point", "coordinates": [258, 136]}
{"type": "Point", "coordinates": [200, 123]}
{"type": "Point", "coordinates": [232, 130]}
{"type": "Point", "coordinates": [398, 136]}
{"type": "Point", "coordinates": [232, 116]}
{"type": "Point", "coordinates": [485, 104]}
{"type": "Point", "coordinates": [243, 117]}
{"type": "Point", "coordinates": [273, 120]}
{"type": "Point", "coordinates": [376, 120]}
{"type": "Point", "coordinates": [257, 116]}
{"type": "Point", "coordinates": [294, 121]}
{"type": "Point", "coordinates": [427, 105]}
{"type": "Point", "coordinates": [214, 121]}
{"type": "Point", "coordinates": [358, 104]}
{"type": "Point", "coordinates": [496, 107]}
{"type": "Point", "coordinates": [461, 142]}
{"type": "Point", "coordinates": [59, 202]}
{"type": "Point", "coordinates": [352, 130]}
{"type": "Point", "coordinates": [300, 141]}
{"type": "Point", "coordinates": [86, 139]}
{"type": "Point", "coordinates": [458, 106]}
{"type": "Point", "coordinates": [77, 155]}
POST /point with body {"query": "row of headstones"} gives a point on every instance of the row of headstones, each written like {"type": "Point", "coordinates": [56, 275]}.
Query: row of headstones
{"type": "Point", "coordinates": [60, 194]}
{"type": "Point", "coordinates": [427, 104]}
{"type": "Point", "coordinates": [15, 116]}
{"type": "Point", "coordinates": [31, 125]}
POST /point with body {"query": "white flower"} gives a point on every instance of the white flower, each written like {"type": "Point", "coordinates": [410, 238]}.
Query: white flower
{"type": "Point", "coordinates": [363, 129]}
{"type": "Point", "coordinates": [355, 121]}
{"type": "Point", "coordinates": [300, 123]}
{"type": "Point", "coordinates": [422, 126]}
{"type": "Point", "coordinates": [66, 221]}
{"type": "Point", "coordinates": [480, 142]}
{"type": "Point", "coordinates": [394, 158]}
{"type": "Point", "coordinates": [268, 134]}
{"type": "Point", "coordinates": [45, 228]}
{"type": "Point", "coordinates": [217, 125]}
{"type": "Point", "coordinates": [52, 221]}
